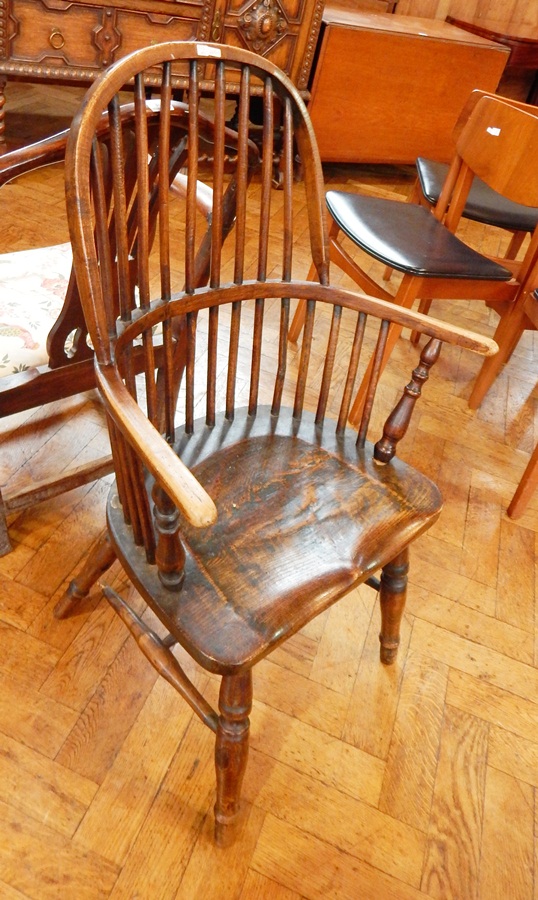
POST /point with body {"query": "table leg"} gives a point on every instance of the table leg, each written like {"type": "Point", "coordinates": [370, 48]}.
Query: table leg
{"type": "Point", "coordinates": [3, 82]}
{"type": "Point", "coordinates": [532, 96]}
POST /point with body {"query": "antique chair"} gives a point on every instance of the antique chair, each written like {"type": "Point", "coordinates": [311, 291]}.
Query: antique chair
{"type": "Point", "coordinates": [497, 144]}
{"type": "Point", "coordinates": [255, 507]}
{"type": "Point", "coordinates": [45, 354]}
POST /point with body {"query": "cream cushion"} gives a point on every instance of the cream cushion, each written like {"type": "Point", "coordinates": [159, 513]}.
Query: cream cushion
{"type": "Point", "coordinates": [33, 284]}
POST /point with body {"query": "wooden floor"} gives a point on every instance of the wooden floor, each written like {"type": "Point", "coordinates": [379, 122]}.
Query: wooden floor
{"type": "Point", "coordinates": [416, 781]}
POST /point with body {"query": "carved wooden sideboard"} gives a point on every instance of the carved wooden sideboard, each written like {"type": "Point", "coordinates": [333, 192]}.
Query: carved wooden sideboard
{"type": "Point", "coordinates": [70, 41]}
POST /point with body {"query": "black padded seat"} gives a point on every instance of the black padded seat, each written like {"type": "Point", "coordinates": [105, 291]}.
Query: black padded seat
{"type": "Point", "coordinates": [483, 204]}
{"type": "Point", "coordinates": [407, 237]}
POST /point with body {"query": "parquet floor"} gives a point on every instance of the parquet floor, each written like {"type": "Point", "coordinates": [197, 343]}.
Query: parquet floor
{"type": "Point", "coordinates": [417, 781]}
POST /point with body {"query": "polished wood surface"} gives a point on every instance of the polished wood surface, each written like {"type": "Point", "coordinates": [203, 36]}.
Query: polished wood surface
{"type": "Point", "coordinates": [522, 41]}
{"type": "Point", "coordinates": [369, 104]}
{"type": "Point", "coordinates": [508, 15]}
{"type": "Point", "coordinates": [327, 727]}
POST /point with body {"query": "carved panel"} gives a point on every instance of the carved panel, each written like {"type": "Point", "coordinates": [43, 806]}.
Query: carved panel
{"type": "Point", "coordinates": [284, 31]}
{"type": "Point", "coordinates": [106, 37]}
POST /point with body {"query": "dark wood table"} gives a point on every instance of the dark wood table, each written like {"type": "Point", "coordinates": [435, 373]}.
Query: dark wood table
{"type": "Point", "coordinates": [522, 41]}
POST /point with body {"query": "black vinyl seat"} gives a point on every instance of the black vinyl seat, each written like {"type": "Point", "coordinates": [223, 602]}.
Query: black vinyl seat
{"type": "Point", "coordinates": [483, 203]}
{"type": "Point", "coordinates": [408, 238]}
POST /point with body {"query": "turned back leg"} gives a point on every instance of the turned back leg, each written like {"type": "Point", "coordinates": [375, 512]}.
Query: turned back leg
{"type": "Point", "coordinates": [99, 560]}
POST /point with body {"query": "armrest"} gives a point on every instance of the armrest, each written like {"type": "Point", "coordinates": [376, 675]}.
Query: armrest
{"type": "Point", "coordinates": [171, 473]}
{"type": "Point", "coordinates": [409, 318]}
{"type": "Point", "coordinates": [34, 156]}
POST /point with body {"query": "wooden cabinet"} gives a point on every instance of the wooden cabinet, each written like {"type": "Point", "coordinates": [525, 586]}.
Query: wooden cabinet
{"type": "Point", "coordinates": [284, 31]}
{"type": "Point", "coordinates": [71, 41]}
{"type": "Point", "coordinates": [389, 88]}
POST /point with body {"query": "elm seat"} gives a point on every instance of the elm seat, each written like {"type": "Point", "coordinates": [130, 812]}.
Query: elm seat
{"type": "Point", "coordinates": [408, 238]}
{"type": "Point", "coordinates": [483, 204]}
{"type": "Point", "coordinates": [244, 504]}
{"type": "Point", "coordinates": [322, 500]}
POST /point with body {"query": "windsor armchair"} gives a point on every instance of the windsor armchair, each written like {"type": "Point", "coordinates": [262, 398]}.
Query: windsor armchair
{"type": "Point", "coordinates": [497, 144]}
{"type": "Point", "coordinates": [253, 506]}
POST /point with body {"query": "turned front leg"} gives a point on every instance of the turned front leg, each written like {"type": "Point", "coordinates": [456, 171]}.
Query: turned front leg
{"type": "Point", "coordinates": [392, 595]}
{"type": "Point", "coordinates": [231, 751]}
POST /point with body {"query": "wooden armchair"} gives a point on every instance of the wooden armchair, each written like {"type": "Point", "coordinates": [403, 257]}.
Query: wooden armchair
{"type": "Point", "coordinates": [45, 354]}
{"type": "Point", "coordinates": [256, 506]}
{"type": "Point", "coordinates": [497, 144]}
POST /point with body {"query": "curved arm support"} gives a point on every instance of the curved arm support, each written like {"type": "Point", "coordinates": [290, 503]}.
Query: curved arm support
{"type": "Point", "coordinates": [170, 472]}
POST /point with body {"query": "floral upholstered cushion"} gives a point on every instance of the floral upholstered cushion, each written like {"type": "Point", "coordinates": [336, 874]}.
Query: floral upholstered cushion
{"type": "Point", "coordinates": [32, 289]}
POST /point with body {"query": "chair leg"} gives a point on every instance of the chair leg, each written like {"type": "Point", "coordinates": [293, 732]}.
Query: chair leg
{"type": "Point", "coordinates": [525, 488]}
{"type": "Point", "coordinates": [300, 313]}
{"type": "Point", "coordinates": [99, 560]}
{"type": "Point", "coordinates": [231, 751]}
{"type": "Point", "coordinates": [392, 595]}
{"type": "Point", "coordinates": [507, 334]}
{"type": "Point", "coordinates": [515, 244]}
{"type": "Point", "coordinates": [405, 297]}
{"type": "Point", "coordinates": [357, 406]}
{"type": "Point", "coordinates": [5, 543]}
{"type": "Point", "coordinates": [424, 308]}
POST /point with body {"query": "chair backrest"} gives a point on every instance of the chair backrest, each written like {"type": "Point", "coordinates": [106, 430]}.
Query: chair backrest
{"type": "Point", "coordinates": [497, 143]}
{"type": "Point", "coordinates": [150, 311]}
{"type": "Point", "coordinates": [473, 99]}
{"type": "Point", "coordinates": [500, 144]}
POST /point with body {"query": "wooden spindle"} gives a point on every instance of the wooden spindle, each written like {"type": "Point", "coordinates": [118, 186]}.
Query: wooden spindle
{"type": "Point", "coordinates": [375, 373]}
{"type": "Point", "coordinates": [398, 421]}
{"type": "Point", "coordinates": [169, 552]}
{"type": "Point", "coordinates": [328, 366]}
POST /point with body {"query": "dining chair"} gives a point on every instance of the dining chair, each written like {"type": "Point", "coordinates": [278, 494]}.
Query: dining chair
{"type": "Point", "coordinates": [483, 204]}
{"type": "Point", "coordinates": [497, 144]}
{"type": "Point", "coordinates": [253, 506]}
{"type": "Point", "coordinates": [529, 479]}
{"type": "Point", "coordinates": [522, 317]}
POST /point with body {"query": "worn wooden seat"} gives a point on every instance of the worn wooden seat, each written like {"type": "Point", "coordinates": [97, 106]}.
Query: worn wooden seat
{"type": "Point", "coordinates": [255, 506]}
{"type": "Point", "coordinates": [497, 144]}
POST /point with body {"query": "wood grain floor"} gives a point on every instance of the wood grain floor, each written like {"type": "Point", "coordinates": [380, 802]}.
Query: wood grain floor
{"type": "Point", "coordinates": [417, 781]}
